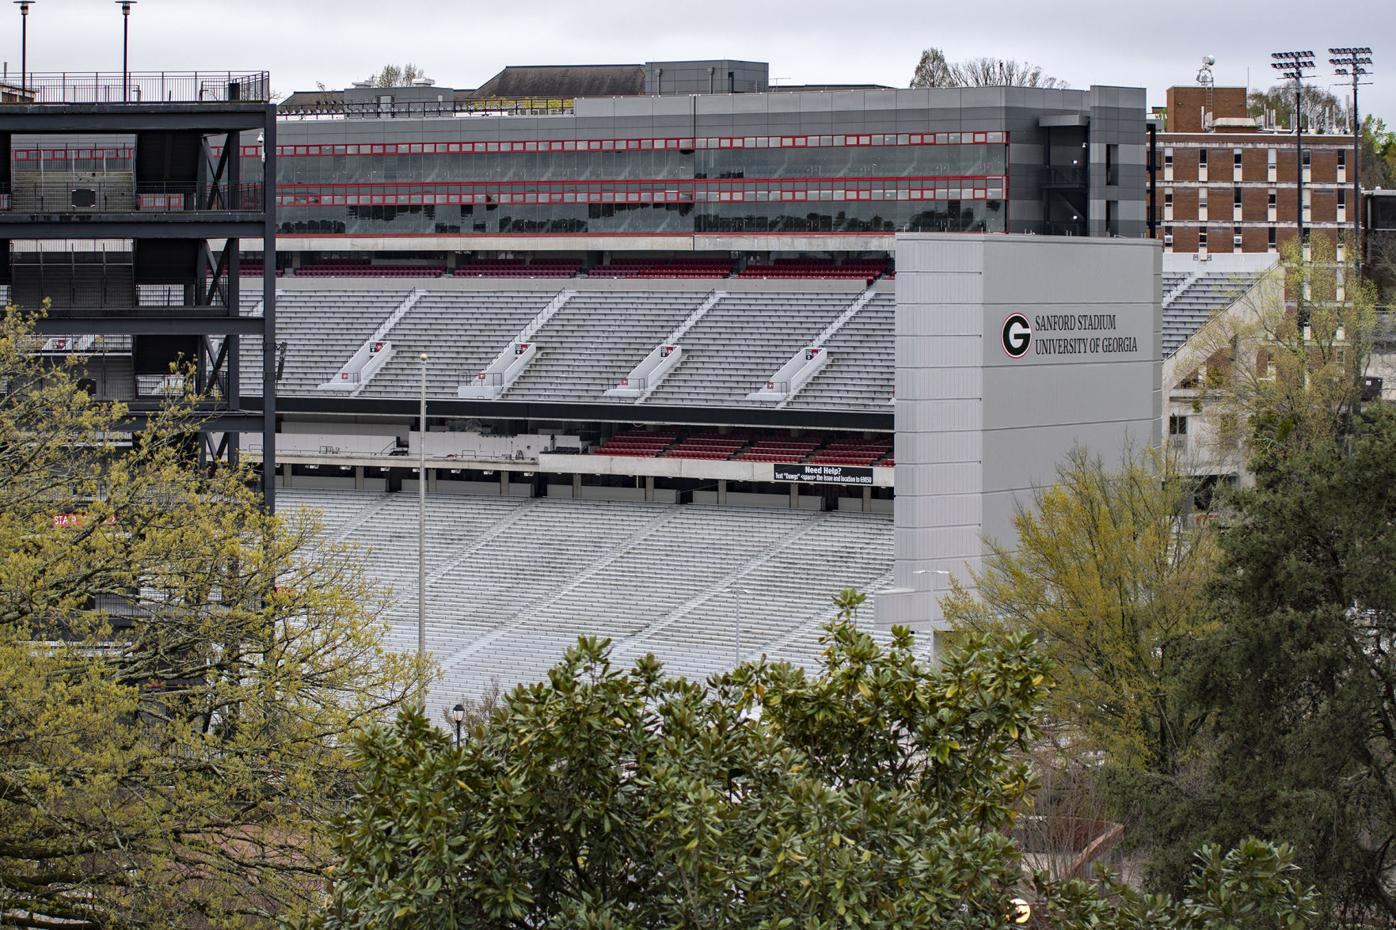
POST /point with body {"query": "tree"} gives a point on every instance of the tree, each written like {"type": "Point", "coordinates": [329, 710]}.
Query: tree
{"type": "Point", "coordinates": [1108, 576]}
{"type": "Point", "coordinates": [1378, 154]}
{"type": "Point", "coordinates": [1320, 108]}
{"type": "Point", "coordinates": [1283, 369]}
{"type": "Point", "coordinates": [933, 70]}
{"type": "Point", "coordinates": [606, 798]}
{"type": "Point", "coordinates": [1255, 886]}
{"type": "Point", "coordinates": [180, 671]}
{"type": "Point", "coordinates": [395, 76]}
{"type": "Point", "coordinates": [1299, 676]}
{"type": "Point", "coordinates": [877, 793]}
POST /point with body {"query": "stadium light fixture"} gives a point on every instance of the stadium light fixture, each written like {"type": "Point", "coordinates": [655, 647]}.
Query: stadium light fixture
{"type": "Point", "coordinates": [1293, 66]}
{"type": "Point", "coordinates": [1348, 62]}
{"type": "Point", "coordinates": [24, 6]}
{"type": "Point", "coordinates": [125, 36]}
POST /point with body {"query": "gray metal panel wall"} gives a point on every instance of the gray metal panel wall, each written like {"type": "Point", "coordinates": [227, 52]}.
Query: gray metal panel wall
{"type": "Point", "coordinates": [979, 428]}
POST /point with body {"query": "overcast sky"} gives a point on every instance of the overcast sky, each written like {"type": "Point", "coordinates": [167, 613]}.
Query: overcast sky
{"type": "Point", "coordinates": [461, 43]}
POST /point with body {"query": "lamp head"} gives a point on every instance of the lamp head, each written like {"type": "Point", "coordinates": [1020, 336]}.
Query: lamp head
{"type": "Point", "coordinates": [457, 713]}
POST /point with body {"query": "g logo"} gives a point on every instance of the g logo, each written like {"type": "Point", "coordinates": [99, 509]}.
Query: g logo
{"type": "Point", "coordinates": [1016, 335]}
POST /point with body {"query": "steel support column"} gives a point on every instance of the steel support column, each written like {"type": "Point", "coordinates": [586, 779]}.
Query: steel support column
{"type": "Point", "coordinates": [269, 309]}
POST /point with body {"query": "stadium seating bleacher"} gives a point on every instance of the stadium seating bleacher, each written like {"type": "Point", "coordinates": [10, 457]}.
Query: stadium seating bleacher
{"type": "Point", "coordinates": [512, 582]}
{"type": "Point", "coordinates": [350, 268]}
{"type": "Point", "coordinates": [519, 268]}
{"type": "Point", "coordinates": [804, 268]}
{"type": "Point", "coordinates": [656, 268]}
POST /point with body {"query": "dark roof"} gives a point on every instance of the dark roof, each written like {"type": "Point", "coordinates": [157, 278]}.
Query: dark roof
{"type": "Point", "coordinates": [566, 81]}
{"type": "Point", "coordinates": [310, 101]}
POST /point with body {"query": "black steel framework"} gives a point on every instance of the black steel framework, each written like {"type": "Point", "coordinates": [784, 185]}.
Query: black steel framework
{"type": "Point", "coordinates": [212, 216]}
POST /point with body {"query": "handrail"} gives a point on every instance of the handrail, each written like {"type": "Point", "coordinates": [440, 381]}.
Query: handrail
{"type": "Point", "coordinates": [143, 87]}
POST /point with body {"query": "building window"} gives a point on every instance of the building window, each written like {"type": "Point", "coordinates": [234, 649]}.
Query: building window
{"type": "Point", "coordinates": [1342, 197]}
{"type": "Point", "coordinates": [1202, 159]}
{"type": "Point", "coordinates": [1112, 163]}
{"type": "Point", "coordinates": [1202, 237]}
{"type": "Point", "coordinates": [1270, 242]}
{"type": "Point", "coordinates": [1236, 197]}
{"type": "Point", "coordinates": [1168, 200]}
{"type": "Point", "coordinates": [1168, 235]}
{"type": "Point", "coordinates": [1236, 160]}
{"type": "Point", "coordinates": [1271, 202]}
{"type": "Point", "coordinates": [1236, 236]}
{"type": "Point", "coordinates": [1202, 198]}
{"type": "Point", "coordinates": [1342, 159]}
{"type": "Point", "coordinates": [1111, 218]}
{"type": "Point", "coordinates": [1308, 156]}
{"type": "Point", "coordinates": [1168, 159]}
{"type": "Point", "coordinates": [1177, 425]}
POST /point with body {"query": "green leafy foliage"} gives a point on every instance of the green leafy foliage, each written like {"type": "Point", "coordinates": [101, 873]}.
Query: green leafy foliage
{"type": "Point", "coordinates": [874, 794]}
{"type": "Point", "coordinates": [179, 672]}
{"type": "Point", "coordinates": [1108, 574]}
{"type": "Point", "coordinates": [1300, 675]}
{"type": "Point", "coordinates": [878, 793]}
{"type": "Point", "coordinates": [1255, 886]}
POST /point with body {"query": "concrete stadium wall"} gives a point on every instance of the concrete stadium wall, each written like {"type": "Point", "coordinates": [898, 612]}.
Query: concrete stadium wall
{"type": "Point", "coordinates": [1011, 350]}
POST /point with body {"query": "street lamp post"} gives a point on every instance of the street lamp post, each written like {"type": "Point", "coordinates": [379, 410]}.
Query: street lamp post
{"type": "Point", "coordinates": [458, 717]}
{"type": "Point", "coordinates": [1348, 62]}
{"type": "Point", "coordinates": [1292, 65]}
{"type": "Point", "coordinates": [422, 542]}
{"type": "Point", "coordinates": [125, 34]}
{"type": "Point", "coordinates": [23, 42]}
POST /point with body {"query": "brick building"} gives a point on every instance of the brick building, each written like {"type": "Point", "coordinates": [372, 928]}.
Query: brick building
{"type": "Point", "coordinates": [1225, 182]}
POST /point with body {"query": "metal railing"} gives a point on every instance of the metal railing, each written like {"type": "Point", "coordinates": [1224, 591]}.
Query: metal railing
{"type": "Point", "coordinates": [121, 193]}
{"type": "Point", "coordinates": [521, 106]}
{"type": "Point", "coordinates": [159, 385]}
{"type": "Point", "coordinates": [147, 87]}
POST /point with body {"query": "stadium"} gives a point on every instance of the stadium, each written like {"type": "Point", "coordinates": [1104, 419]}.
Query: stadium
{"type": "Point", "coordinates": [679, 353]}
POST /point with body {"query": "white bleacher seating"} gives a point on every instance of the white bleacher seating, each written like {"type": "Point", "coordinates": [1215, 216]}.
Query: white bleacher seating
{"type": "Point", "coordinates": [512, 582]}
{"type": "Point", "coordinates": [1188, 311]}
{"type": "Point", "coordinates": [596, 339]}
{"type": "Point", "coordinates": [322, 329]}
{"type": "Point", "coordinates": [861, 372]}
{"type": "Point", "coordinates": [734, 348]}
{"type": "Point", "coordinates": [461, 332]}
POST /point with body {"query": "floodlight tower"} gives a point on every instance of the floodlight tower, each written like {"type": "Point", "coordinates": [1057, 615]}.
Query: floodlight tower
{"type": "Point", "coordinates": [1293, 65]}
{"type": "Point", "coordinates": [1349, 62]}
{"type": "Point", "coordinates": [125, 46]}
{"type": "Point", "coordinates": [24, 6]}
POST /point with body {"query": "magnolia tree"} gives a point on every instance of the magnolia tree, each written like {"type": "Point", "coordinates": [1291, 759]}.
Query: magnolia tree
{"type": "Point", "coordinates": [878, 792]}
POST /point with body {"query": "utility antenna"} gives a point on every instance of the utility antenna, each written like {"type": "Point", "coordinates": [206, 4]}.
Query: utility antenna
{"type": "Point", "coordinates": [1205, 79]}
